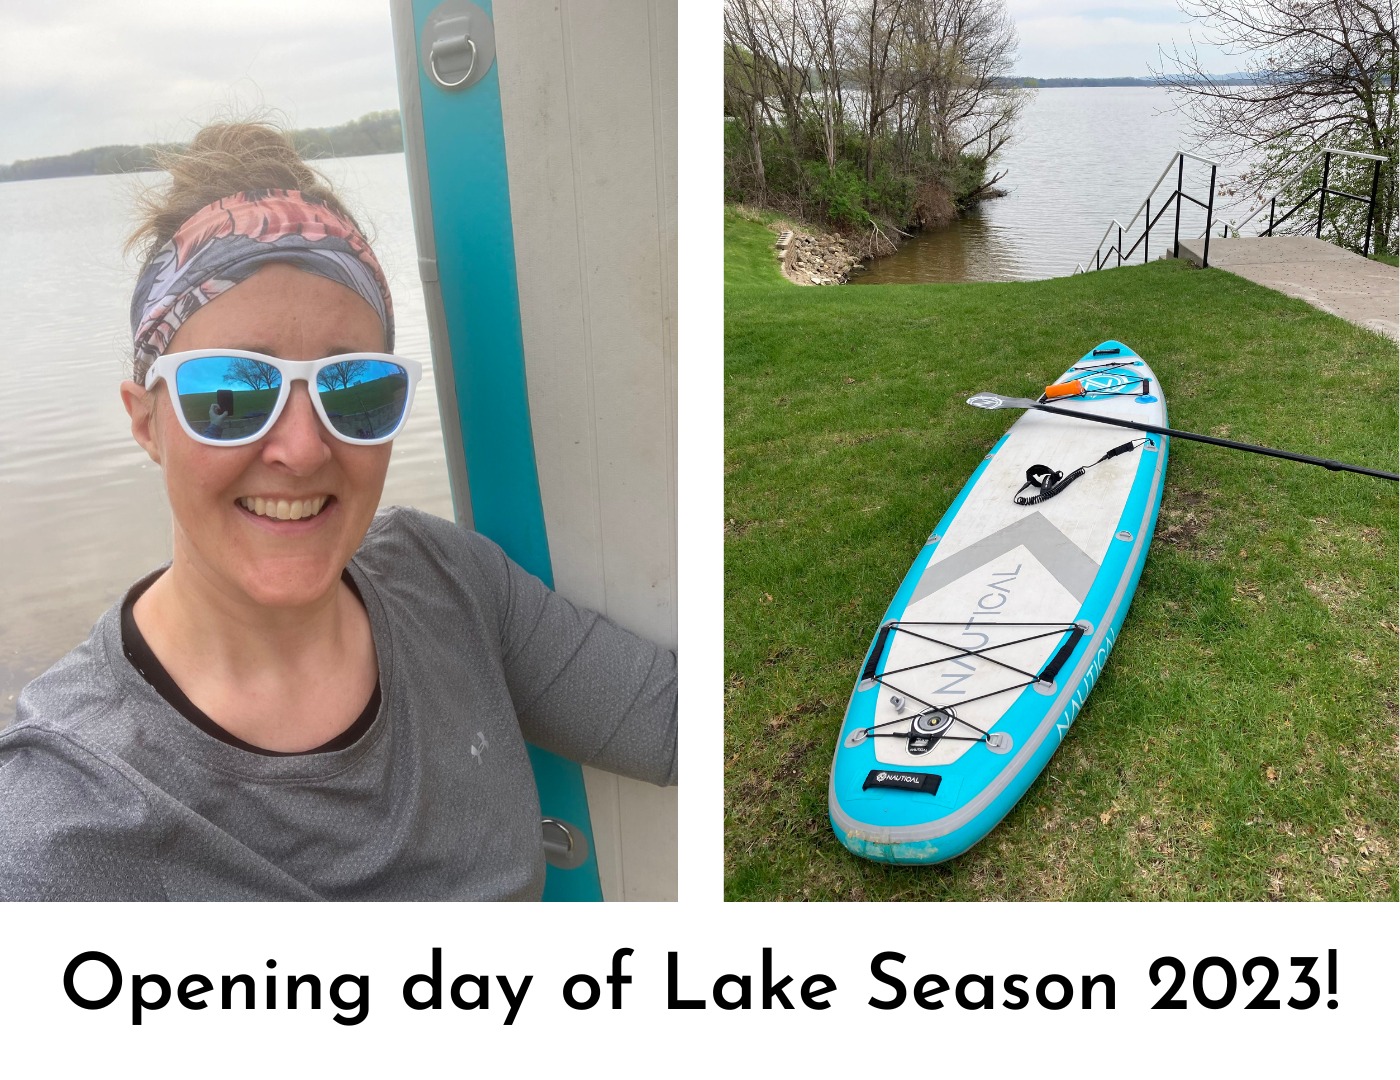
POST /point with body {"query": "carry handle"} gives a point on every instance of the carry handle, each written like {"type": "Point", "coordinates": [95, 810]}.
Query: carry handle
{"type": "Point", "coordinates": [1069, 389]}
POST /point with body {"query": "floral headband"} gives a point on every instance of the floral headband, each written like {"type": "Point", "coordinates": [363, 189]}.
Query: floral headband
{"type": "Point", "coordinates": [230, 240]}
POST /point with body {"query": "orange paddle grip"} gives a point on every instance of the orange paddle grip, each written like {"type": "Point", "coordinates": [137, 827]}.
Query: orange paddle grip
{"type": "Point", "coordinates": [1068, 389]}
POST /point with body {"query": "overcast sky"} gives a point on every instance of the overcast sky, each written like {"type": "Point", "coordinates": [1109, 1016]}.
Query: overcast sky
{"type": "Point", "coordinates": [1089, 39]}
{"type": "Point", "coordinates": [91, 72]}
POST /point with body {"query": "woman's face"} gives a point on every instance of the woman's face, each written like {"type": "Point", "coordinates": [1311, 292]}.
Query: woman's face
{"type": "Point", "coordinates": [292, 315]}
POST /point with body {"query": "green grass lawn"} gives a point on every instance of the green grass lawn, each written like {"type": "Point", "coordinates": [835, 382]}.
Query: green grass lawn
{"type": "Point", "coordinates": [196, 406]}
{"type": "Point", "coordinates": [1241, 743]}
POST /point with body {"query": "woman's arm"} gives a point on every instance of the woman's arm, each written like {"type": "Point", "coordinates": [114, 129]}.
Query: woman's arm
{"type": "Point", "coordinates": [581, 686]}
{"type": "Point", "coordinates": [584, 687]}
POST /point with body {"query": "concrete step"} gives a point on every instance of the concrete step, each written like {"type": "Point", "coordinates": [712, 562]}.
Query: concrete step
{"type": "Point", "coordinates": [1228, 252]}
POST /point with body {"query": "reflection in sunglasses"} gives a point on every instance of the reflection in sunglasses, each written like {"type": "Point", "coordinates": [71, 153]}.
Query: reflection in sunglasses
{"type": "Point", "coordinates": [232, 397]}
{"type": "Point", "coordinates": [227, 397]}
{"type": "Point", "coordinates": [363, 398]}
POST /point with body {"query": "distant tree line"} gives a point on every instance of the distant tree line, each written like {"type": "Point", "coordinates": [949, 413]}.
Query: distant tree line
{"type": "Point", "coordinates": [1033, 84]}
{"type": "Point", "coordinates": [868, 114]}
{"type": "Point", "coordinates": [1234, 79]}
{"type": "Point", "coordinates": [373, 133]}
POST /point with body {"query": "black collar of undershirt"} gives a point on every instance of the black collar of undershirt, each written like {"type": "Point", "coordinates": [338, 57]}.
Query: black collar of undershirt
{"type": "Point", "coordinates": [153, 671]}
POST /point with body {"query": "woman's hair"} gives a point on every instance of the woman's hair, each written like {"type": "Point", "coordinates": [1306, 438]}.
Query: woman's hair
{"type": "Point", "coordinates": [223, 159]}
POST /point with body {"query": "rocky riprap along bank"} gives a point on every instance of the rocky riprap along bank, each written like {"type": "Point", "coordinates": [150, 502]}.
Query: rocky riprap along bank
{"type": "Point", "coordinates": [809, 259]}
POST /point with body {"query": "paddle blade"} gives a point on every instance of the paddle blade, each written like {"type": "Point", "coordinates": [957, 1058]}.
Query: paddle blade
{"type": "Point", "coordinates": [996, 401]}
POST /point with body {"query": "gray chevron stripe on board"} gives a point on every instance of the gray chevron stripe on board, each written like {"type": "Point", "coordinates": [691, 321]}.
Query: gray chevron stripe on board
{"type": "Point", "coordinates": [1055, 551]}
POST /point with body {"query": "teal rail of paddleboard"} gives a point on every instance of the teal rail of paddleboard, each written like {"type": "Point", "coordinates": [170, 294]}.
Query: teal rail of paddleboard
{"type": "Point", "coordinates": [468, 200]}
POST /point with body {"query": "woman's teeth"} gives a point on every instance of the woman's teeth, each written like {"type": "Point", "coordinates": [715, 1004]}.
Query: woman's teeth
{"type": "Point", "coordinates": [284, 510]}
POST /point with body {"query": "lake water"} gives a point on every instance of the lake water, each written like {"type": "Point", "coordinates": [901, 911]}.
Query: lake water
{"type": "Point", "coordinates": [83, 511]}
{"type": "Point", "coordinates": [1084, 155]}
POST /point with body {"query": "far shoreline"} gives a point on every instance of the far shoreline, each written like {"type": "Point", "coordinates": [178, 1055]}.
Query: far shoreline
{"type": "Point", "coordinates": [374, 133]}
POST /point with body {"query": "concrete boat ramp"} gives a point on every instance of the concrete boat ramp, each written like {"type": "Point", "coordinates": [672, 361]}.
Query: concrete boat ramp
{"type": "Point", "coordinates": [1329, 277]}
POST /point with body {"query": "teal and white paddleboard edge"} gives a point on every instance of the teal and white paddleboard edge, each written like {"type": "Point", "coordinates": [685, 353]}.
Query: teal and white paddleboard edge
{"type": "Point", "coordinates": [1104, 608]}
{"type": "Point", "coordinates": [472, 301]}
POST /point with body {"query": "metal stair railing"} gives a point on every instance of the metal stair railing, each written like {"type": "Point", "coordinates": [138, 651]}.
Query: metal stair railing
{"type": "Point", "coordinates": [1115, 251]}
{"type": "Point", "coordinates": [1324, 191]}
{"type": "Point", "coordinates": [1101, 257]}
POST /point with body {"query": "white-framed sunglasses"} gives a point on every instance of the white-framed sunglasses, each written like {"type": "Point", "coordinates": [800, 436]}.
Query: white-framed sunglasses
{"type": "Point", "coordinates": [231, 397]}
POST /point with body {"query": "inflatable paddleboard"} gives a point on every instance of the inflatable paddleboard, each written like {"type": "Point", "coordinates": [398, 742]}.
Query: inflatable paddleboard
{"type": "Point", "coordinates": [1001, 627]}
{"type": "Point", "coordinates": [541, 151]}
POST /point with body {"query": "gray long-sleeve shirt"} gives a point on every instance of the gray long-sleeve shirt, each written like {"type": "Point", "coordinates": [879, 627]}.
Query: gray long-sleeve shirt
{"type": "Point", "coordinates": [108, 793]}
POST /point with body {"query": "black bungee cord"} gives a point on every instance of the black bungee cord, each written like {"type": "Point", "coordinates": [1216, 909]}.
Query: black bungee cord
{"type": "Point", "coordinates": [1047, 675]}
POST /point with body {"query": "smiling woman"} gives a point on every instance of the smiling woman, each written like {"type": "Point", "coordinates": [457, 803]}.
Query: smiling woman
{"type": "Point", "coordinates": [312, 700]}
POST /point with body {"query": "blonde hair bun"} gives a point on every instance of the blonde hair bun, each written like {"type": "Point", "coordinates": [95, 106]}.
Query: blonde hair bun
{"type": "Point", "coordinates": [223, 159]}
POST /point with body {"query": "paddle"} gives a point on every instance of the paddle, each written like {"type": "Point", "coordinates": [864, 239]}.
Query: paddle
{"type": "Point", "coordinates": [996, 401]}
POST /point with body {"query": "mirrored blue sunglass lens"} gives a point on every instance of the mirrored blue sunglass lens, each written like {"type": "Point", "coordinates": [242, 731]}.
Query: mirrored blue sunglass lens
{"type": "Point", "coordinates": [227, 397]}
{"type": "Point", "coordinates": [363, 398]}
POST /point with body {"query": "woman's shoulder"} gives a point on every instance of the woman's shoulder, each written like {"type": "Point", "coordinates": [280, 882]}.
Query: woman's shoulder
{"type": "Point", "coordinates": [73, 826]}
{"type": "Point", "coordinates": [77, 689]}
{"type": "Point", "coordinates": [402, 540]}
{"type": "Point", "coordinates": [438, 572]}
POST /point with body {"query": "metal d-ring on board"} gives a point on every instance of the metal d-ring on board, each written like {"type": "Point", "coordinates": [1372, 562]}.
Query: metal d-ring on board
{"type": "Point", "coordinates": [565, 845]}
{"type": "Point", "coordinates": [450, 45]}
{"type": "Point", "coordinates": [456, 30]}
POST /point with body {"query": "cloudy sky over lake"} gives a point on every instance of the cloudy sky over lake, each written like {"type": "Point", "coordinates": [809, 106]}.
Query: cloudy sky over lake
{"type": "Point", "coordinates": [1089, 39]}
{"type": "Point", "coordinates": [91, 72]}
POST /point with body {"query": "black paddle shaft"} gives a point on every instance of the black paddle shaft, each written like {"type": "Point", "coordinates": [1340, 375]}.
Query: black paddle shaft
{"type": "Point", "coordinates": [1326, 463]}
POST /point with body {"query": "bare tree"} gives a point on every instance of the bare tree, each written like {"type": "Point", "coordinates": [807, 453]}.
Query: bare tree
{"type": "Point", "coordinates": [967, 97]}
{"type": "Point", "coordinates": [255, 374]}
{"type": "Point", "coordinates": [863, 106]}
{"type": "Point", "coordinates": [778, 24]}
{"type": "Point", "coordinates": [1324, 73]}
{"type": "Point", "coordinates": [825, 29]}
{"type": "Point", "coordinates": [745, 80]}
{"type": "Point", "coordinates": [878, 25]}
{"type": "Point", "coordinates": [342, 375]}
